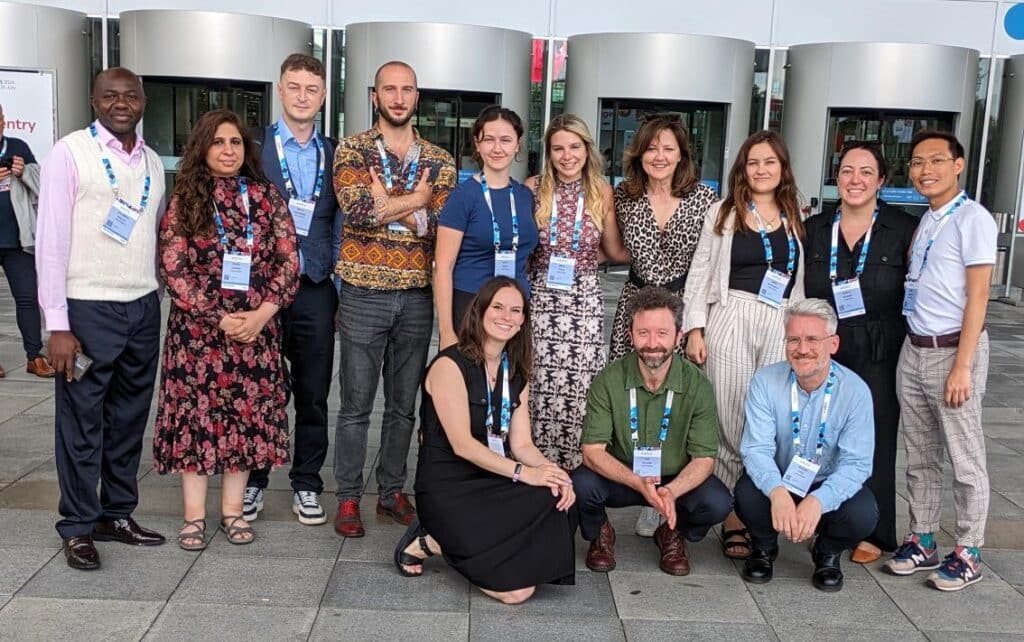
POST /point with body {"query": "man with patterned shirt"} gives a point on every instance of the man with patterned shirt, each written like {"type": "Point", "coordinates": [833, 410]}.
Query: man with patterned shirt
{"type": "Point", "coordinates": [391, 185]}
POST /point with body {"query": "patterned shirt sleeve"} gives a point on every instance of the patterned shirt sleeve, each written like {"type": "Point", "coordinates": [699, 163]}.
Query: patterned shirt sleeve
{"type": "Point", "coordinates": [352, 187]}
{"type": "Point", "coordinates": [285, 280]}
{"type": "Point", "coordinates": [443, 186]}
{"type": "Point", "coordinates": [187, 292]}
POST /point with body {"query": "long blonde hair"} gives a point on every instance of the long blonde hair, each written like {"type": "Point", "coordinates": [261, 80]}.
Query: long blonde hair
{"type": "Point", "coordinates": [593, 173]}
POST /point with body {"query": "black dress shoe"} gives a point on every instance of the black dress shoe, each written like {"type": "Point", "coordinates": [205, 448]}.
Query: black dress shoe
{"type": "Point", "coordinates": [81, 553]}
{"type": "Point", "coordinates": [127, 531]}
{"type": "Point", "coordinates": [827, 574]}
{"type": "Point", "coordinates": [757, 568]}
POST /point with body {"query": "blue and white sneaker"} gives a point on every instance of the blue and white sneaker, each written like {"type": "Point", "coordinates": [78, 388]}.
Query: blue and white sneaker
{"type": "Point", "coordinates": [959, 570]}
{"type": "Point", "coordinates": [252, 503]}
{"type": "Point", "coordinates": [911, 557]}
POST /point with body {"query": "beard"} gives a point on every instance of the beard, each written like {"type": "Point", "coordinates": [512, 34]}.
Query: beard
{"type": "Point", "coordinates": [391, 120]}
{"type": "Point", "coordinates": [654, 359]}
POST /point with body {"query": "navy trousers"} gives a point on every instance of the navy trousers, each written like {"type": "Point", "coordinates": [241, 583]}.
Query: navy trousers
{"type": "Point", "coordinates": [20, 268]}
{"type": "Point", "coordinates": [100, 420]}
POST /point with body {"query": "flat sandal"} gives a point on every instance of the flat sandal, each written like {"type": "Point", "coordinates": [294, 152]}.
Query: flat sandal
{"type": "Point", "coordinates": [236, 534]}
{"type": "Point", "coordinates": [198, 534]}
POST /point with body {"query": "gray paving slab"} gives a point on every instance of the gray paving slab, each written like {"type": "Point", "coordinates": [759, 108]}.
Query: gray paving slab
{"type": "Point", "coordinates": [31, 528]}
{"type": "Point", "coordinates": [786, 600]}
{"type": "Point", "coordinates": [960, 636]}
{"type": "Point", "coordinates": [706, 598]}
{"type": "Point", "coordinates": [660, 630]}
{"type": "Point", "coordinates": [13, 468]}
{"type": "Point", "coordinates": [281, 539]}
{"type": "Point", "coordinates": [18, 565]}
{"type": "Point", "coordinates": [516, 624]}
{"type": "Point", "coordinates": [344, 625]}
{"type": "Point", "coordinates": [179, 621]}
{"type": "Point", "coordinates": [30, 618]}
{"type": "Point", "coordinates": [127, 573]}
{"type": "Point", "coordinates": [803, 632]}
{"type": "Point", "coordinates": [13, 405]}
{"type": "Point", "coordinates": [4, 599]}
{"type": "Point", "coordinates": [590, 597]}
{"type": "Point", "coordinates": [1009, 565]}
{"type": "Point", "coordinates": [254, 581]}
{"type": "Point", "coordinates": [377, 586]}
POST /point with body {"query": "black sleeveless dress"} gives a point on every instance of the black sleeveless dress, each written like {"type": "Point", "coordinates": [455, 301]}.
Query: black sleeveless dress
{"type": "Point", "coordinates": [499, 535]}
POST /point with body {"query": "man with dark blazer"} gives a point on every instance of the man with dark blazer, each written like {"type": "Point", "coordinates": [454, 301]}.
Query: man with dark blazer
{"type": "Point", "coordinates": [297, 159]}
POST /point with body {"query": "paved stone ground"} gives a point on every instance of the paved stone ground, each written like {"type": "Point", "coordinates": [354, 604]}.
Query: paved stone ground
{"type": "Point", "coordinates": [299, 583]}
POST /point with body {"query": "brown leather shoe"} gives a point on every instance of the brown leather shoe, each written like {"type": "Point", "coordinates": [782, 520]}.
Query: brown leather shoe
{"type": "Point", "coordinates": [865, 553]}
{"type": "Point", "coordinates": [674, 559]}
{"type": "Point", "coordinates": [401, 509]}
{"type": "Point", "coordinates": [40, 367]}
{"type": "Point", "coordinates": [81, 553]}
{"type": "Point", "coordinates": [601, 554]}
{"type": "Point", "coordinates": [347, 522]}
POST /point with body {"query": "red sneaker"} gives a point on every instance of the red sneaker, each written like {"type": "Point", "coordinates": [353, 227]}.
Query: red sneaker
{"type": "Point", "coordinates": [347, 523]}
{"type": "Point", "coordinates": [401, 509]}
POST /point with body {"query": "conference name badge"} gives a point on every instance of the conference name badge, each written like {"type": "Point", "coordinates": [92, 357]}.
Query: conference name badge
{"type": "Point", "coordinates": [120, 221]}
{"type": "Point", "coordinates": [561, 271]}
{"type": "Point", "coordinates": [849, 298]}
{"type": "Point", "coordinates": [647, 462]}
{"type": "Point", "coordinates": [505, 263]}
{"type": "Point", "coordinates": [235, 271]}
{"type": "Point", "coordinates": [800, 475]}
{"type": "Point", "coordinates": [773, 287]}
{"type": "Point", "coordinates": [302, 215]}
{"type": "Point", "coordinates": [496, 443]}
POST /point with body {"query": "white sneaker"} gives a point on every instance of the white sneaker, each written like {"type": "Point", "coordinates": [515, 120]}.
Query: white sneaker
{"type": "Point", "coordinates": [648, 522]}
{"type": "Point", "coordinates": [252, 503]}
{"type": "Point", "coordinates": [306, 504]}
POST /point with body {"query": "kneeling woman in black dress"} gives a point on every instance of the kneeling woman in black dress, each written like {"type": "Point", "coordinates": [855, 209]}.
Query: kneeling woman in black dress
{"type": "Point", "coordinates": [486, 496]}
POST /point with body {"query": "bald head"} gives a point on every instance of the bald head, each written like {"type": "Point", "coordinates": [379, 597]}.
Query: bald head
{"type": "Point", "coordinates": [394, 64]}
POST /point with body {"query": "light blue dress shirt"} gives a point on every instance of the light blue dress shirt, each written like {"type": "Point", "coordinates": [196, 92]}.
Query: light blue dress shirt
{"type": "Point", "coordinates": [767, 444]}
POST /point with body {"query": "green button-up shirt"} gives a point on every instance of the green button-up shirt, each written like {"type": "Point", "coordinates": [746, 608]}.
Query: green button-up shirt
{"type": "Point", "coordinates": [693, 427]}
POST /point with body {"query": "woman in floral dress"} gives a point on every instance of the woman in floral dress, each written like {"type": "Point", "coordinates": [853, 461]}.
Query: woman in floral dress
{"type": "Point", "coordinates": [228, 256]}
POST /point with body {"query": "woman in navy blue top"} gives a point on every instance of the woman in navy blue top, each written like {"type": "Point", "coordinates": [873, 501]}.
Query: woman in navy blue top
{"type": "Point", "coordinates": [486, 228]}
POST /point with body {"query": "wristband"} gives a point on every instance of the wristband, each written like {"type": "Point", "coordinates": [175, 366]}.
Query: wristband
{"type": "Point", "coordinates": [516, 472]}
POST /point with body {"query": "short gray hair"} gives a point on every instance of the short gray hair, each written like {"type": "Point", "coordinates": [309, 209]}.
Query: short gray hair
{"type": "Point", "coordinates": [819, 308]}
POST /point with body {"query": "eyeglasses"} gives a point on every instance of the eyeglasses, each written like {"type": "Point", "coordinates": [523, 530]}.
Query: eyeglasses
{"type": "Point", "coordinates": [934, 162]}
{"type": "Point", "coordinates": [813, 342]}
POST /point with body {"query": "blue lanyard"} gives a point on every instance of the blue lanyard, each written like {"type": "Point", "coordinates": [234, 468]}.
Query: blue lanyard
{"type": "Point", "coordinates": [634, 418]}
{"type": "Point", "coordinates": [506, 401]}
{"type": "Point", "coordinates": [243, 188]}
{"type": "Point", "coordinates": [112, 178]}
{"type": "Point", "coordinates": [321, 161]}
{"type": "Point", "coordinates": [931, 240]}
{"type": "Point", "coordinates": [833, 257]}
{"type": "Point", "coordinates": [577, 226]}
{"type": "Point", "coordinates": [768, 256]}
{"type": "Point", "coordinates": [385, 164]}
{"type": "Point", "coordinates": [494, 223]}
{"type": "Point", "coordinates": [826, 405]}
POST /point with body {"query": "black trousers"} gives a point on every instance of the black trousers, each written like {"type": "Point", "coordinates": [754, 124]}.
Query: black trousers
{"type": "Point", "coordinates": [20, 268]}
{"type": "Point", "coordinates": [100, 420]}
{"type": "Point", "coordinates": [308, 345]}
{"type": "Point", "coordinates": [837, 530]}
{"type": "Point", "coordinates": [696, 511]}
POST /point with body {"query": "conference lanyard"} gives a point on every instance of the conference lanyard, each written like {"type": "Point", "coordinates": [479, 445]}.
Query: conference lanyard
{"type": "Point", "coordinates": [385, 164]}
{"type": "Point", "coordinates": [496, 232]}
{"type": "Point", "coordinates": [243, 188]}
{"type": "Point", "coordinates": [634, 418]}
{"type": "Point", "coordinates": [833, 260]}
{"type": "Point", "coordinates": [938, 228]}
{"type": "Point", "coordinates": [768, 255]}
{"type": "Point", "coordinates": [577, 227]}
{"type": "Point", "coordinates": [506, 401]}
{"type": "Point", "coordinates": [826, 405]}
{"type": "Point", "coordinates": [112, 178]}
{"type": "Point", "coordinates": [292, 193]}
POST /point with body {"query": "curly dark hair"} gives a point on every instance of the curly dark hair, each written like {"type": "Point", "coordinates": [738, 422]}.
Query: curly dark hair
{"type": "Point", "coordinates": [472, 334]}
{"type": "Point", "coordinates": [193, 190]}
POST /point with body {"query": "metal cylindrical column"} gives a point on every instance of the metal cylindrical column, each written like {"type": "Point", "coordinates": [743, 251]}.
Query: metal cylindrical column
{"type": "Point", "coordinates": [1009, 193]}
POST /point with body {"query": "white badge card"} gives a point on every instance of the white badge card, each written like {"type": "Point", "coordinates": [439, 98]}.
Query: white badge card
{"type": "Point", "coordinates": [496, 443]}
{"type": "Point", "coordinates": [505, 263]}
{"type": "Point", "coordinates": [647, 462]}
{"type": "Point", "coordinates": [302, 215]}
{"type": "Point", "coordinates": [561, 271]}
{"type": "Point", "coordinates": [800, 475]}
{"type": "Point", "coordinates": [773, 287]}
{"type": "Point", "coordinates": [849, 298]}
{"type": "Point", "coordinates": [120, 222]}
{"type": "Point", "coordinates": [235, 271]}
{"type": "Point", "coordinates": [909, 298]}
{"type": "Point", "coordinates": [398, 228]}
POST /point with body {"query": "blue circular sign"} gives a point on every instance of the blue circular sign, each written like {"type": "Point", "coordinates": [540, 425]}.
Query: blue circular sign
{"type": "Point", "coordinates": [1014, 22]}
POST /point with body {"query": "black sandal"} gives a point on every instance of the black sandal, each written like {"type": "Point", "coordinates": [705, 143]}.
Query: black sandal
{"type": "Point", "coordinates": [197, 535]}
{"type": "Point", "coordinates": [728, 543]}
{"type": "Point", "coordinates": [414, 532]}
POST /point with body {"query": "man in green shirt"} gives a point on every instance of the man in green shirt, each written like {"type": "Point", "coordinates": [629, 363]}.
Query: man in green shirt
{"type": "Point", "coordinates": [650, 438]}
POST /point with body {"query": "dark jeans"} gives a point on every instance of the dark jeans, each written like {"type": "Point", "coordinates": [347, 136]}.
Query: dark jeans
{"type": "Point", "coordinates": [837, 530]}
{"type": "Point", "coordinates": [308, 345]}
{"type": "Point", "coordinates": [380, 331]}
{"type": "Point", "coordinates": [696, 511]}
{"type": "Point", "coordinates": [20, 268]}
{"type": "Point", "coordinates": [101, 419]}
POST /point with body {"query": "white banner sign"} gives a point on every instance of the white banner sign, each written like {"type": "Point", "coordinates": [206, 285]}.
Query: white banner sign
{"type": "Point", "coordinates": [27, 100]}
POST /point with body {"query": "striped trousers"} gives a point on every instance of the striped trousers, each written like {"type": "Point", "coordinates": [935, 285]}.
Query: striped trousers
{"type": "Point", "coordinates": [741, 336]}
{"type": "Point", "coordinates": [931, 429]}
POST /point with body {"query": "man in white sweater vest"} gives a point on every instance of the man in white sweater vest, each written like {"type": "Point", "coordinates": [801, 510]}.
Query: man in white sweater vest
{"type": "Point", "coordinates": [101, 198]}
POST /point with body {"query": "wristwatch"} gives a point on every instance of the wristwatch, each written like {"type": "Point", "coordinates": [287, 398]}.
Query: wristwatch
{"type": "Point", "coordinates": [516, 472]}
{"type": "Point", "coordinates": [380, 203]}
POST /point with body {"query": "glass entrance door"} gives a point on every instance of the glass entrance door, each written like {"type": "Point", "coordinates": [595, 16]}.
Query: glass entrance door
{"type": "Point", "coordinates": [445, 118]}
{"type": "Point", "coordinates": [620, 120]}
{"type": "Point", "coordinates": [893, 130]}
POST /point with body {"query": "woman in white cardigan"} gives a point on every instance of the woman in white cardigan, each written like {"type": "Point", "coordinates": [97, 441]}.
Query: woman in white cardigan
{"type": "Point", "coordinates": [747, 269]}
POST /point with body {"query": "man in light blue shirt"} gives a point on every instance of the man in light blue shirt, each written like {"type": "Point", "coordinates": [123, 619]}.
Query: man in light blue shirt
{"type": "Point", "coordinates": [807, 447]}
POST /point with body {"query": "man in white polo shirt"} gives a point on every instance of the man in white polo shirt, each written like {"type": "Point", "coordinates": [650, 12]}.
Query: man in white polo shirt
{"type": "Point", "coordinates": [944, 364]}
